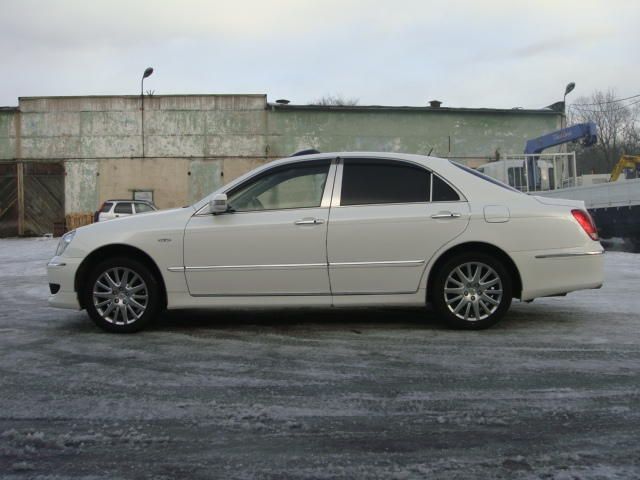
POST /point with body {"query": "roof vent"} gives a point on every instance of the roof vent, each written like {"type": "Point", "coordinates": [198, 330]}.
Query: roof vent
{"type": "Point", "coordinates": [283, 101]}
{"type": "Point", "coordinates": [435, 103]}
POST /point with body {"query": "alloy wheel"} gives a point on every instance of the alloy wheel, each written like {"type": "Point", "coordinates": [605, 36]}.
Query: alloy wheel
{"type": "Point", "coordinates": [120, 296]}
{"type": "Point", "coordinates": [473, 291]}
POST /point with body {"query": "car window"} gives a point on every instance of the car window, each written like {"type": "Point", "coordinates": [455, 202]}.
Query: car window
{"type": "Point", "coordinates": [123, 207]}
{"type": "Point", "coordinates": [289, 186]}
{"type": "Point", "coordinates": [442, 191]}
{"type": "Point", "coordinates": [143, 207]}
{"type": "Point", "coordinates": [106, 207]}
{"type": "Point", "coordinates": [369, 181]}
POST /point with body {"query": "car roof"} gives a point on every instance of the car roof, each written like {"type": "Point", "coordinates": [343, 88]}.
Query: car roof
{"type": "Point", "coordinates": [462, 180]}
{"type": "Point", "coordinates": [127, 200]}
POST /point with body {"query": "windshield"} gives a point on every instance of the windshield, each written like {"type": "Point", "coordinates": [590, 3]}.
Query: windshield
{"type": "Point", "coordinates": [484, 177]}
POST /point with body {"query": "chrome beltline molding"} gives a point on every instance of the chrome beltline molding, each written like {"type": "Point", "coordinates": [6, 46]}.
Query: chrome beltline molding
{"type": "Point", "coordinates": [572, 254]}
{"type": "Point", "coordinates": [390, 263]}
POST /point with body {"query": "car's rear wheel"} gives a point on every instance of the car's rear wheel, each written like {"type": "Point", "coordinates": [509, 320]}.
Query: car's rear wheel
{"type": "Point", "coordinates": [472, 291]}
{"type": "Point", "coordinates": [121, 295]}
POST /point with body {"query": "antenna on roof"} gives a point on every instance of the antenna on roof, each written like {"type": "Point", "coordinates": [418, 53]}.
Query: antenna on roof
{"type": "Point", "coordinates": [308, 151]}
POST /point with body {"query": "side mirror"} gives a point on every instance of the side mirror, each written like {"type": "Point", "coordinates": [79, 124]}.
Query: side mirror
{"type": "Point", "coordinates": [218, 204]}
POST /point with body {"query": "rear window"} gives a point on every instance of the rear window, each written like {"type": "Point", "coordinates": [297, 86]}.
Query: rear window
{"type": "Point", "coordinates": [372, 181]}
{"type": "Point", "coordinates": [442, 192]}
{"type": "Point", "coordinates": [484, 177]}
{"type": "Point", "coordinates": [106, 206]}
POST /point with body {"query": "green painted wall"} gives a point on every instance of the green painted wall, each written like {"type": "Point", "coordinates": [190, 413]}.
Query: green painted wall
{"type": "Point", "coordinates": [215, 138]}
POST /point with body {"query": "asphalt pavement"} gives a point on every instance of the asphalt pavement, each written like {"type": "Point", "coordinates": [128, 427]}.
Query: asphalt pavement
{"type": "Point", "coordinates": [552, 392]}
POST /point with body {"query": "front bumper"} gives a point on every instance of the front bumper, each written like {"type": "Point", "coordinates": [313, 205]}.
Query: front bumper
{"type": "Point", "coordinates": [62, 271]}
{"type": "Point", "coordinates": [546, 273]}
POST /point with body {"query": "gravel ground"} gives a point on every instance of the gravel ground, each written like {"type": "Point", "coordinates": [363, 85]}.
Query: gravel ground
{"type": "Point", "coordinates": [552, 392]}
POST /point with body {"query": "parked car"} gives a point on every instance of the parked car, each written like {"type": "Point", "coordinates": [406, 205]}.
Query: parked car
{"type": "Point", "coordinates": [122, 208]}
{"type": "Point", "coordinates": [342, 229]}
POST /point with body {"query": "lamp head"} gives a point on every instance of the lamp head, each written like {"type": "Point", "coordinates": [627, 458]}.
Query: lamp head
{"type": "Point", "coordinates": [569, 88]}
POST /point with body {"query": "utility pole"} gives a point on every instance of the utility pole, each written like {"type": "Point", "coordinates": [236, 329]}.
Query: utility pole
{"type": "Point", "coordinates": [147, 73]}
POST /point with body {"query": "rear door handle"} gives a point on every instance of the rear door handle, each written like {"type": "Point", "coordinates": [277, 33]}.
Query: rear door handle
{"type": "Point", "coordinates": [309, 221]}
{"type": "Point", "coordinates": [446, 215]}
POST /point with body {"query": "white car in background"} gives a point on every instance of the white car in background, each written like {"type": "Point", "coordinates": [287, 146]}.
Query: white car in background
{"type": "Point", "coordinates": [341, 229]}
{"type": "Point", "coordinates": [122, 208]}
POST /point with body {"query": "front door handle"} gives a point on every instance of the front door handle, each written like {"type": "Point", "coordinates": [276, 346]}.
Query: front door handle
{"type": "Point", "coordinates": [446, 215]}
{"type": "Point", "coordinates": [309, 221]}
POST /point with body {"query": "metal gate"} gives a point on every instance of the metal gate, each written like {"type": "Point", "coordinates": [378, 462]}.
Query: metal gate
{"type": "Point", "coordinates": [8, 200]}
{"type": "Point", "coordinates": [31, 197]}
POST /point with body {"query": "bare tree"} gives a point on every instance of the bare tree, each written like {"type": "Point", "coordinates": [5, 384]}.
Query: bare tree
{"type": "Point", "coordinates": [617, 124]}
{"type": "Point", "coordinates": [335, 100]}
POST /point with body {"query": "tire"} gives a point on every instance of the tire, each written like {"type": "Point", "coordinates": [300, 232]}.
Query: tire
{"type": "Point", "coordinates": [119, 308]}
{"type": "Point", "coordinates": [464, 302]}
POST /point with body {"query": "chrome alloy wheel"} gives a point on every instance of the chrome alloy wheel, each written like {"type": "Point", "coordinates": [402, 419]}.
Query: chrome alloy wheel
{"type": "Point", "coordinates": [473, 291]}
{"type": "Point", "coordinates": [120, 296]}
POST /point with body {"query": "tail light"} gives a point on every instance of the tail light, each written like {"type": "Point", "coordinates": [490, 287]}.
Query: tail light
{"type": "Point", "coordinates": [586, 222]}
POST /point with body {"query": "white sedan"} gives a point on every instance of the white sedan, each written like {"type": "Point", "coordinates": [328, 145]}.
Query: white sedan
{"type": "Point", "coordinates": [341, 229]}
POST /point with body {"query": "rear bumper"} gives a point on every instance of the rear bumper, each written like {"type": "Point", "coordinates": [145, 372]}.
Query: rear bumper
{"type": "Point", "coordinates": [62, 271]}
{"type": "Point", "coordinates": [546, 273]}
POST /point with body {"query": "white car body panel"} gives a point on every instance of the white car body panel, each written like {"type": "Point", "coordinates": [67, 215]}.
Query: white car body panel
{"type": "Point", "coordinates": [257, 253]}
{"type": "Point", "coordinates": [358, 255]}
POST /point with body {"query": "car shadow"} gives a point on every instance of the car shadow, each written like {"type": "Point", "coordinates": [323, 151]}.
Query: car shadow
{"type": "Point", "coordinates": [350, 319]}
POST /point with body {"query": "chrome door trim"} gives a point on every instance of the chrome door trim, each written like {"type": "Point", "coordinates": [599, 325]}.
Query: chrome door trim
{"type": "Point", "coordinates": [389, 263]}
{"type": "Point", "coordinates": [568, 255]}
{"type": "Point", "coordinates": [280, 266]}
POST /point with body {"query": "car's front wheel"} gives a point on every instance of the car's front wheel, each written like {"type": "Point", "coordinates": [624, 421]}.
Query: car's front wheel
{"type": "Point", "coordinates": [121, 295]}
{"type": "Point", "coordinates": [472, 291]}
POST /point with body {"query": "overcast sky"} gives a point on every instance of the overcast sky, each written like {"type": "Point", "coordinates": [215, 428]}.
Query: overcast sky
{"type": "Point", "coordinates": [403, 52]}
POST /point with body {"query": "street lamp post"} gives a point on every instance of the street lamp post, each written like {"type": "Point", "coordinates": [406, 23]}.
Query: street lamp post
{"type": "Point", "coordinates": [568, 89]}
{"type": "Point", "coordinates": [147, 73]}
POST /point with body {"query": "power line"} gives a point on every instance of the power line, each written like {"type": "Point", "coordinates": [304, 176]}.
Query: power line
{"type": "Point", "coordinates": [620, 107]}
{"type": "Point", "coordinates": [607, 101]}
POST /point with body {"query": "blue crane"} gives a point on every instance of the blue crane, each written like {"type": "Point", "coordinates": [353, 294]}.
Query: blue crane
{"type": "Point", "coordinates": [586, 133]}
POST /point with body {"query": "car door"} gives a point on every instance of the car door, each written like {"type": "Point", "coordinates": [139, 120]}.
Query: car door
{"type": "Point", "coordinates": [385, 225]}
{"type": "Point", "coordinates": [271, 242]}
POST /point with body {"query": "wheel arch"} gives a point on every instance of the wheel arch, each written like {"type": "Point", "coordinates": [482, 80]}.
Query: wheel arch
{"type": "Point", "coordinates": [482, 247]}
{"type": "Point", "coordinates": [113, 250]}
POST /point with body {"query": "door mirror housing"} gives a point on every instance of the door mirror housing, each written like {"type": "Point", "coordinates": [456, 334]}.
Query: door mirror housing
{"type": "Point", "coordinates": [218, 204]}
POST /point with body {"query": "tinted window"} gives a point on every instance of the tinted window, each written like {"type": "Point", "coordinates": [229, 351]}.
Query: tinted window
{"type": "Point", "coordinates": [442, 192]}
{"type": "Point", "coordinates": [289, 186]}
{"type": "Point", "coordinates": [380, 181]}
{"type": "Point", "coordinates": [123, 207]}
{"type": "Point", "coordinates": [143, 207]}
{"type": "Point", "coordinates": [106, 207]}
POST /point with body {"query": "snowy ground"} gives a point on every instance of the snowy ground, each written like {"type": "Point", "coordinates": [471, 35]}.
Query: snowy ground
{"type": "Point", "coordinates": [552, 392]}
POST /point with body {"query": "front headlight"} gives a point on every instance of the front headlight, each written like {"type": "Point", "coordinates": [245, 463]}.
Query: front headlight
{"type": "Point", "coordinates": [64, 242]}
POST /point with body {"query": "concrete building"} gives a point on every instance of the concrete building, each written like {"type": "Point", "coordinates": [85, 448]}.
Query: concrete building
{"type": "Point", "coordinates": [63, 155]}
